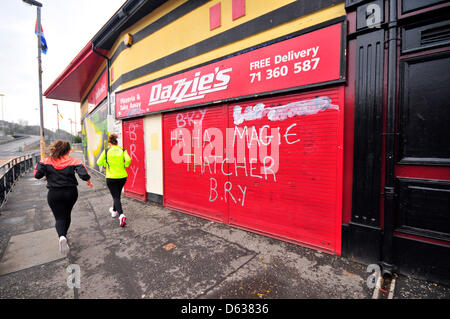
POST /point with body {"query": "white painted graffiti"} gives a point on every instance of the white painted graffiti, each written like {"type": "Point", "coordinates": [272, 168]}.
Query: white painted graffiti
{"type": "Point", "coordinates": [227, 192]}
{"type": "Point", "coordinates": [204, 150]}
{"type": "Point", "coordinates": [245, 151]}
{"type": "Point", "coordinates": [190, 118]}
{"type": "Point", "coordinates": [283, 112]}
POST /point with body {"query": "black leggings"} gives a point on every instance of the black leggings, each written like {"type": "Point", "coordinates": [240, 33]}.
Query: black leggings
{"type": "Point", "coordinates": [115, 186]}
{"type": "Point", "coordinates": [61, 201]}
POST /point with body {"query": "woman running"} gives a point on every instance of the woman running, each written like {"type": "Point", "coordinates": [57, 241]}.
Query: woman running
{"type": "Point", "coordinates": [115, 159]}
{"type": "Point", "coordinates": [59, 169]}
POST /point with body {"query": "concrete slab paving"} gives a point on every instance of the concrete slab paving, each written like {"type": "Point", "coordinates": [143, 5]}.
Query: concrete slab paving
{"type": "Point", "coordinates": [141, 266]}
{"type": "Point", "coordinates": [97, 280]}
{"type": "Point", "coordinates": [284, 270]}
{"type": "Point", "coordinates": [47, 281]}
{"type": "Point", "coordinates": [17, 222]}
{"type": "Point", "coordinates": [196, 264]}
{"type": "Point", "coordinates": [166, 254]}
{"type": "Point", "coordinates": [29, 250]}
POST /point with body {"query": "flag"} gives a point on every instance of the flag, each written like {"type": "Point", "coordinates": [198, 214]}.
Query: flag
{"type": "Point", "coordinates": [43, 42]}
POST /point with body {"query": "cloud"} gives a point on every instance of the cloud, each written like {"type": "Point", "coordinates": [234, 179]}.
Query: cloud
{"type": "Point", "coordinates": [68, 26]}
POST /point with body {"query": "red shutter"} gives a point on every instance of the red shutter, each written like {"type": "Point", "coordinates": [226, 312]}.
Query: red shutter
{"type": "Point", "coordinates": [294, 193]}
{"type": "Point", "coordinates": [133, 142]}
{"type": "Point", "coordinates": [302, 201]}
{"type": "Point", "coordinates": [187, 188]}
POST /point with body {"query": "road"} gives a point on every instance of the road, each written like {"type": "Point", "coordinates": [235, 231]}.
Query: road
{"type": "Point", "coordinates": [12, 149]}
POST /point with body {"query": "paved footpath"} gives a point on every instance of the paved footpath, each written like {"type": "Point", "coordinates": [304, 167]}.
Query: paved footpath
{"type": "Point", "coordinates": [163, 254]}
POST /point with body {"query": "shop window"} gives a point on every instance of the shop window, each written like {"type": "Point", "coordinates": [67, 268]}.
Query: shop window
{"type": "Point", "coordinates": [425, 110]}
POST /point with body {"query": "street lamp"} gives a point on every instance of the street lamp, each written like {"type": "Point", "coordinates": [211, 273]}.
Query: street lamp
{"type": "Point", "coordinates": [2, 95]}
{"type": "Point", "coordinates": [57, 118]}
{"type": "Point", "coordinates": [38, 6]}
{"type": "Point", "coordinates": [3, 119]}
{"type": "Point", "coordinates": [33, 3]}
{"type": "Point", "coordinates": [73, 130]}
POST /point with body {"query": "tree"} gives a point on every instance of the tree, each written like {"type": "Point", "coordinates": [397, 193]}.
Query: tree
{"type": "Point", "coordinates": [22, 122]}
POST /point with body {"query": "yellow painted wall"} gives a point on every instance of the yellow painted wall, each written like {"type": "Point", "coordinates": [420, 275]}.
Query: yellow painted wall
{"type": "Point", "coordinates": [186, 31]}
{"type": "Point", "coordinates": [153, 153]}
{"type": "Point", "coordinates": [194, 27]}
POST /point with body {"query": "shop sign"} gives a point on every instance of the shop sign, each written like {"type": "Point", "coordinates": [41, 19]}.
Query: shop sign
{"type": "Point", "coordinates": [311, 58]}
{"type": "Point", "coordinates": [98, 93]}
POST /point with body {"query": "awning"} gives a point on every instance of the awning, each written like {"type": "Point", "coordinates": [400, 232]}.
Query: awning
{"type": "Point", "coordinates": [75, 79]}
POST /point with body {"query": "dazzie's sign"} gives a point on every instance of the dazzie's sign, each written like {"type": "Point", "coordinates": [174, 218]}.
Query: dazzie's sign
{"type": "Point", "coordinates": [311, 58]}
{"type": "Point", "coordinates": [98, 93]}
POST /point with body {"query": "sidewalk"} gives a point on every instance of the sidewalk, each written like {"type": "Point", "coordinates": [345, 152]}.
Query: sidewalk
{"type": "Point", "coordinates": [164, 254]}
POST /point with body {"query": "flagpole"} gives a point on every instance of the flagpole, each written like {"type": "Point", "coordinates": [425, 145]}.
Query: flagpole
{"type": "Point", "coordinates": [41, 109]}
{"type": "Point", "coordinates": [38, 5]}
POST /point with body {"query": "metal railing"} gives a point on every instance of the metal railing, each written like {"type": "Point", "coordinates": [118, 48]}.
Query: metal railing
{"type": "Point", "coordinates": [12, 170]}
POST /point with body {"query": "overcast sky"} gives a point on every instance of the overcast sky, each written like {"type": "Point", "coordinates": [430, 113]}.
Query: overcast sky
{"type": "Point", "coordinates": [68, 26]}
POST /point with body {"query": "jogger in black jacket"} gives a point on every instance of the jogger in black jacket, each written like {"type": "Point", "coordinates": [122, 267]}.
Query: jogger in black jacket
{"type": "Point", "coordinates": [59, 169]}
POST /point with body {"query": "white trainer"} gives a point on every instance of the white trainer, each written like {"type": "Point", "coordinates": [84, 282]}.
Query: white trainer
{"type": "Point", "coordinates": [63, 246]}
{"type": "Point", "coordinates": [112, 212]}
{"type": "Point", "coordinates": [123, 220]}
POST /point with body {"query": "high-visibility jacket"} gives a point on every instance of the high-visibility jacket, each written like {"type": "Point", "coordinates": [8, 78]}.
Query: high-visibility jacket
{"type": "Point", "coordinates": [115, 159]}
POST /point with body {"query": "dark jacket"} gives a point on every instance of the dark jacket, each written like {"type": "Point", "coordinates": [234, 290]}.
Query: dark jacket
{"type": "Point", "coordinates": [61, 172]}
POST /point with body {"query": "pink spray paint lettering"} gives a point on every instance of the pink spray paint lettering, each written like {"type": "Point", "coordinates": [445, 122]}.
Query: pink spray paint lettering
{"type": "Point", "coordinates": [132, 136]}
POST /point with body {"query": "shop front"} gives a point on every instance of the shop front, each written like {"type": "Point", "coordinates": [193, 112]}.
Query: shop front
{"type": "Point", "coordinates": [314, 122]}
{"type": "Point", "coordinates": [255, 140]}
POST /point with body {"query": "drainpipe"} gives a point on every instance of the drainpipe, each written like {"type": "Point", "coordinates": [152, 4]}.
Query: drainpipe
{"type": "Point", "coordinates": [108, 65]}
{"type": "Point", "coordinates": [387, 254]}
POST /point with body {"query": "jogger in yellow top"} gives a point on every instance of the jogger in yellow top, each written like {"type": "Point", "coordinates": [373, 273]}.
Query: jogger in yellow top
{"type": "Point", "coordinates": [115, 159]}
